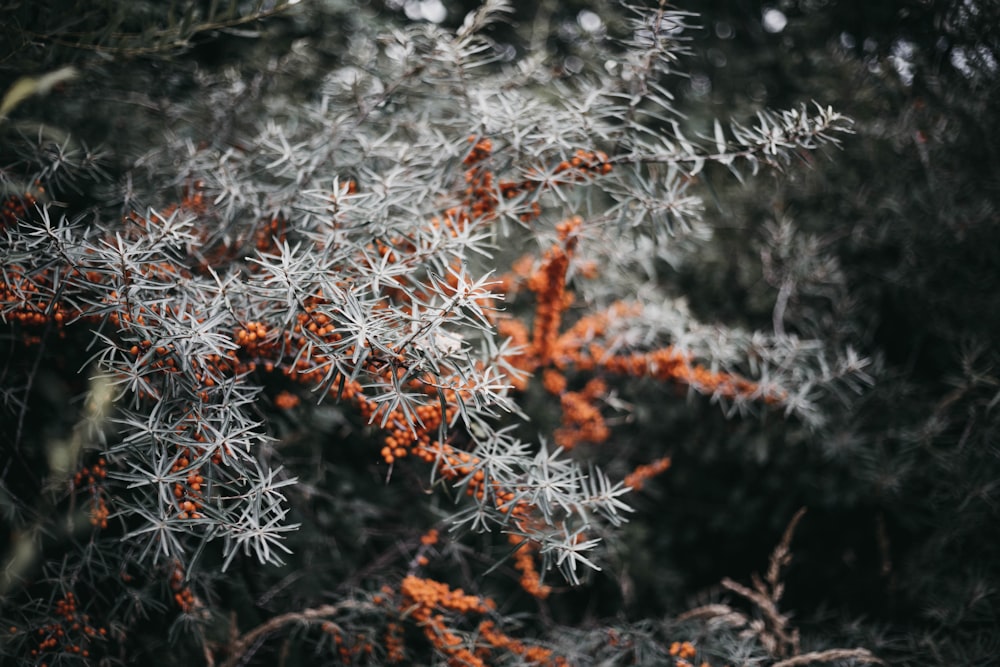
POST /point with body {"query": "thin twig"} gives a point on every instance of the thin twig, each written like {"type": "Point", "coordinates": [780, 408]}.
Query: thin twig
{"type": "Point", "coordinates": [862, 654]}
{"type": "Point", "coordinates": [239, 645]}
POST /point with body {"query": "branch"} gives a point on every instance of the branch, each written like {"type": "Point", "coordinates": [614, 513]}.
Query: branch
{"type": "Point", "coordinates": [240, 645]}
{"type": "Point", "coordinates": [862, 654]}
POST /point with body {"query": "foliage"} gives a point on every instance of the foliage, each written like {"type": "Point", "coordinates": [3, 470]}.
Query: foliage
{"type": "Point", "coordinates": [320, 351]}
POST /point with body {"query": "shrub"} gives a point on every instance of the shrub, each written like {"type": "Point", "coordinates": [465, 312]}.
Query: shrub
{"type": "Point", "coordinates": [351, 347]}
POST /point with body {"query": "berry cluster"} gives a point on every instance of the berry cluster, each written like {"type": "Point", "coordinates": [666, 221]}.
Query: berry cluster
{"type": "Point", "coordinates": [430, 604]}
{"type": "Point", "coordinates": [16, 207]}
{"type": "Point", "coordinates": [683, 653]}
{"type": "Point", "coordinates": [92, 478]}
{"type": "Point", "coordinates": [69, 634]}
{"type": "Point", "coordinates": [184, 598]}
